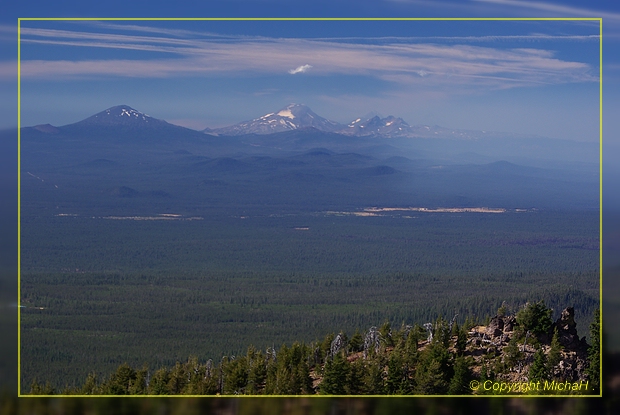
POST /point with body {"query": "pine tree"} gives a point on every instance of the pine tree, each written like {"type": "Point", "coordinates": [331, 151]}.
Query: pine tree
{"type": "Point", "coordinates": [501, 311]}
{"type": "Point", "coordinates": [37, 389]}
{"type": "Point", "coordinates": [159, 382]}
{"type": "Point", "coordinates": [138, 386]}
{"type": "Point", "coordinates": [119, 381]}
{"type": "Point", "coordinates": [335, 376]}
{"type": "Point", "coordinates": [461, 340]}
{"type": "Point", "coordinates": [271, 378]}
{"type": "Point", "coordinates": [459, 384]}
{"type": "Point", "coordinates": [431, 380]}
{"type": "Point", "coordinates": [434, 371]}
{"type": "Point", "coordinates": [386, 334]}
{"type": "Point", "coordinates": [538, 369]}
{"type": "Point", "coordinates": [512, 354]}
{"type": "Point", "coordinates": [535, 317]}
{"type": "Point", "coordinates": [90, 386]}
{"type": "Point", "coordinates": [395, 374]}
{"type": "Point", "coordinates": [209, 385]}
{"type": "Point", "coordinates": [355, 380]}
{"type": "Point", "coordinates": [555, 352]}
{"type": "Point", "coordinates": [326, 345]}
{"type": "Point", "coordinates": [410, 351]}
{"type": "Point", "coordinates": [236, 376]}
{"type": "Point", "coordinates": [257, 373]}
{"type": "Point", "coordinates": [356, 344]}
{"type": "Point", "coordinates": [196, 374]}
{"type": "Point", "coordinates": [484, 376]}
{"type": "Point", "coordinates": [303, 378]}
{"type": "Point", "coordinates": [374, 383]}
{"type": "Point", "coordinates": [177, 379]}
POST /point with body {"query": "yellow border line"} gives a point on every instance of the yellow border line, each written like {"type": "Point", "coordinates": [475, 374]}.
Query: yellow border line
{"type": "Point", "coordinates": [19, 20]}
{"type": "Point", "coordinates": [600, 204]}
{"type": "Point", "coordinates": [252, 19]}
{"type": "Point", "coordinates": [19, 210]}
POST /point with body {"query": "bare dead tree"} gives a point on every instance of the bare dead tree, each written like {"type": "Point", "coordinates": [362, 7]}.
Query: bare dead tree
{"type": "Point", "coordinates": [271, 354]}
{"type": "Point", "coordinates": [208, 368]}
{"type": "Point", "coordinates": [337, 344]}
{"type": "Point", "coordinates": [429, 328]}
{"type": "Point", "coordinates": [452, 323]}
{"type": "Point", "coordinates": [527, 333]}
{"type": "Point", "coordinates": [406, 331]}
{"type": "Point", "coordinates": [371, 341]}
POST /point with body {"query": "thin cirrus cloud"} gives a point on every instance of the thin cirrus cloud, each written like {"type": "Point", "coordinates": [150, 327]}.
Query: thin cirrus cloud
{"type": "Point", "coordinates": [553, 8]}
{"type": "Point", "coordinates": [397, 60]}
{"type": "Point", "coordinates": [300, 69]}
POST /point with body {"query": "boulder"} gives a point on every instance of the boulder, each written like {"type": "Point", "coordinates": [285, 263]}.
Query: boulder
{"type": "Point", "coordinates": [495, 327]}
{"type": "Point", "coordinates": [509, 323]}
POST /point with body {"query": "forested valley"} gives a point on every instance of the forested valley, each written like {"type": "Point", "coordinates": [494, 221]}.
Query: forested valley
{"type": "Point", "coordinates": [210, 288]}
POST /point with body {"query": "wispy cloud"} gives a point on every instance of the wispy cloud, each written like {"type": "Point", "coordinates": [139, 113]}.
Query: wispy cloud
{"type": "Point", "coordinates": [555, 8]}
{"type": "Point", "coordinates": [8, 70]}
{"type": "Point", "coordinates": [300, 69]}
{"type": "Point", "coordinates": [393, 59]}
{"type": "Point", "coordinates": [513, 8]}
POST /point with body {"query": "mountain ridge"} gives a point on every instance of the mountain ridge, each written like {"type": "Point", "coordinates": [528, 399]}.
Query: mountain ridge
{"type": "Point", "coordinates": [293, 117]}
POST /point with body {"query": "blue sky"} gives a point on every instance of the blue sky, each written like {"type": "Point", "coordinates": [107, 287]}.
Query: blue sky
{"type": "Point", "coordinates": [516, 76]}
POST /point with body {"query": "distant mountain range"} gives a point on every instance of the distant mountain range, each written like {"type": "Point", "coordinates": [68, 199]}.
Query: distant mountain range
{"type": "Point", "coordinates": [296, 128]}
{"type": "Point", "coordinates": [293, 117]}
{"type": "Point", "coordinates": [299, 116]}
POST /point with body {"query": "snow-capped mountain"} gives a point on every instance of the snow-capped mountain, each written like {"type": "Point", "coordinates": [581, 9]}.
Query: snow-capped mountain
{"type": "Point", "coordinates": [291, 117]}
{"type": "Point", "coordinates": [122, 115]}
{"type": "Point", "coordinates": [298, 116]}
{"type": "Point", "coordinates": [121, 123]}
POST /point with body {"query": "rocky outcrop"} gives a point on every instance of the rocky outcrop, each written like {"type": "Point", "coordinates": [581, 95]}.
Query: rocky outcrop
{"type": "Point", "coordinates": [489, 344]}
{"type": "Point", "coordinates": [495, 327]}
{"type": "Point", "coordinates": [567, 331]}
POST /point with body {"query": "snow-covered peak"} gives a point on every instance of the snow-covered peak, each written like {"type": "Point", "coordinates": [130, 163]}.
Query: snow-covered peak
{"type": "Point", "coordinates": [131, 112]}
{"type": "Point", "coordinates": [286, 113]}
{"type": "Point", "coordinates": [353, 123]}
{"type": "Point", "coordinates": [123, 115]}
{"type": "Point", "coordinates": [374, 125]}
{"type": "Point", "coordinates": [123, 111]}
{"type": "Point", "coordinates": [291, 117]}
